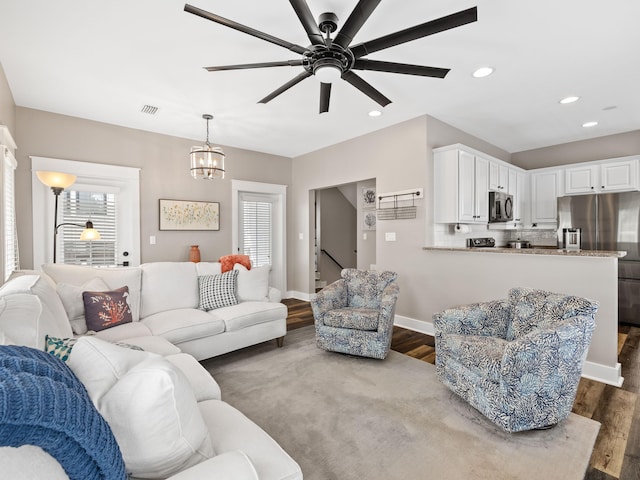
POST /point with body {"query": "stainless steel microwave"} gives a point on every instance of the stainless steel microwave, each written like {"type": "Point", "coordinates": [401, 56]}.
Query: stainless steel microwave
{"type": "Point", "coordinates": [500, 207]}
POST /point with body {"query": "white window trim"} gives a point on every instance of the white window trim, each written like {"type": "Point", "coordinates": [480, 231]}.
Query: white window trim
{"type": "Point", "coordinates": [278, 276]}
{"type": "Point", "coordinates": [88, 173]}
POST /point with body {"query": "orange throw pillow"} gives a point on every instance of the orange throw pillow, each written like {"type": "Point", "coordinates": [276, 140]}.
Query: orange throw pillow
{"type": "Point", "coordinates": [228, 261]}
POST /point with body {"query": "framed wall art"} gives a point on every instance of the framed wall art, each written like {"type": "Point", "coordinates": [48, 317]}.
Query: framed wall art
{"type": "Point", "coordinates": [189, 215]}
{"type": "Point", "coordinates": [368, 197]}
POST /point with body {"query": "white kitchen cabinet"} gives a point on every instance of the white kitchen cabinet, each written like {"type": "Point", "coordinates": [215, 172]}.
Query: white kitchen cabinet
{"type": "Point", "coordinates": [461, 187]}
{"type": "Point", "coordinates": [521, 198]}
{"type": "Point", "coordinates": [498, 177]}
{"type": "Point", "coordinates": [544, 195]}
{"type": "Point", "coordinates": [601, 177]}
{"type": "Point", "coordinates": [512, 186]}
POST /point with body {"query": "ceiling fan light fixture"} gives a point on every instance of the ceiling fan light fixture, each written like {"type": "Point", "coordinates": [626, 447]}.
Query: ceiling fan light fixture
{"type": "Point", "coordinates": [207, 162]}
{"type": "Point", "coordinates": [328, 70]}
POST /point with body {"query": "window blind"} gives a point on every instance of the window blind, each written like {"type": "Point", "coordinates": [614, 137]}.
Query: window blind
{"type": "Point", "coordinates": [11, 256]}
{"type": "Point", "coordinates": [256, 231]}
{"type": "Point", "coordinates": [77, 207]}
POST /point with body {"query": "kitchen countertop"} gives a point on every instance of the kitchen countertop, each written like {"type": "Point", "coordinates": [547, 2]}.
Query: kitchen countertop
{"type": "Point", "coordinates": [534, 251]}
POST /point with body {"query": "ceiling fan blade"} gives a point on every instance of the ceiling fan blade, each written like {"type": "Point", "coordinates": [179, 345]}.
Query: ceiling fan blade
{"type": "Point", "coordinates": [365, 88]}
{"type": "Point", "coordinates": [354, 23]}
{"type": "Point", "coordinates": [325, 96]}
{"type": "Point", "coordinates": [243, 28]}
{"type": "Point", "coordinates": [391, 67]}
{"type": "Point", "coordinates": [419, 31]}
{"type": "Point", "coordinates": [308, 22]}
{"type": "Point", "coordinates": [284, 63]}
{"type": "Point", "coordinates": [285, 87]}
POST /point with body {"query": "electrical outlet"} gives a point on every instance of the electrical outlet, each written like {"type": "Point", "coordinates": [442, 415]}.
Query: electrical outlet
{"type": "Point", "coordinates": [390, 236]}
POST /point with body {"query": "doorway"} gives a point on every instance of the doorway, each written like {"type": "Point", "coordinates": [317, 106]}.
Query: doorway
{"type": "Point", "coordinates": [344, 230]}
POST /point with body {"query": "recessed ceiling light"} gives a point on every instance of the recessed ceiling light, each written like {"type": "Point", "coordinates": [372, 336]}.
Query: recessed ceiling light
{"type": "Point", "coordinates": [589, 124]}
{"type": "Point", "coordinates": [571, 99]}
{"type": "Point", "coordinates": [375, 113]}
{"type": "Point", "coordinates": [483, 72]}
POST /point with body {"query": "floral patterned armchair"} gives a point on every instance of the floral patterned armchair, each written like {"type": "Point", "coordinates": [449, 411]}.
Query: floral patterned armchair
{"type": "Point", "coordinates": [518, 361]}
{"type": "Point", "coordinates": [355, 314]}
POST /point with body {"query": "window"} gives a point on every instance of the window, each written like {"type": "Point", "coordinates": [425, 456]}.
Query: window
{"type": "Point", "coordinates": [11, 257]}
{"type": "Point", "coordinates": [78, 206]}
{"type": "Point", "coordinates": [256, 234]}
{"type": "Point", "coordinates": [107, 195]}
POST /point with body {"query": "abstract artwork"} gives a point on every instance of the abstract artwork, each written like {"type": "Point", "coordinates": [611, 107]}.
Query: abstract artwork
{"type": "Point", "coordinates": [188, 215]}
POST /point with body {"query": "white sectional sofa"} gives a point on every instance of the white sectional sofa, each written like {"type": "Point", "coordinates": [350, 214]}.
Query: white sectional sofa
{"type": "Point", "coordinates": [160, 402]}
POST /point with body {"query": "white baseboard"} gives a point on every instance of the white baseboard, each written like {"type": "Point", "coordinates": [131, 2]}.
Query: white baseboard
{"type": "Point", "coordinates": [602, 373]}
{"type": "Point", "coordinates": [590, 370]}
{"type": "Point", "coordinates": [413, 324]}
{"type": "Point", "coordinates": [306, 297]}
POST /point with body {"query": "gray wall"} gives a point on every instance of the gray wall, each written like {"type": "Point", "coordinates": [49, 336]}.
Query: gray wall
{"type": "Point", "coordinates": [164, 173]}
{"type": "Point", "coordinates": [611, 146]}
{"type": "Point", "coordinates": [338, 233]}
{"type": "Point", "coordinates": [7, 105]}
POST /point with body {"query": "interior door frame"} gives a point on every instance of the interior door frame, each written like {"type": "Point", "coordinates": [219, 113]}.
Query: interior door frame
{"type": "Point", "coordinates": [278, 278]}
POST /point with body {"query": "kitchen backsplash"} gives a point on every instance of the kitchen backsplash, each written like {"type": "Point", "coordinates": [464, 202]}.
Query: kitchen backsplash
{"type": "Point", "coordinates": [446, 235]}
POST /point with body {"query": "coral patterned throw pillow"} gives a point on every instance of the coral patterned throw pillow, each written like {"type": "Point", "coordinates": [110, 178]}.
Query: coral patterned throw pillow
{"type": "Point", "coordinates": [106, 309]}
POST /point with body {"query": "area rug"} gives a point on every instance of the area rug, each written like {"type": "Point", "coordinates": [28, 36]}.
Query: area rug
{"type": "Point", "coordinates": [342, 417]}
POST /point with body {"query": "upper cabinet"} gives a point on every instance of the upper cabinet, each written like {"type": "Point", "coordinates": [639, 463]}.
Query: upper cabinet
{"type": "Point", "coordinates": [461, 186]}
{"type": "Point", "coordinates": [616, 175]}
{"type": "Point", "coordinates": [498, 177]}
{"type": "Point", "coordinates": [544, 195]}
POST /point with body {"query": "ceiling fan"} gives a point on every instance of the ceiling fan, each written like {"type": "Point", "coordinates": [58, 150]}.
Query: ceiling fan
{"type": "Point", "coordinates": [331, 59]}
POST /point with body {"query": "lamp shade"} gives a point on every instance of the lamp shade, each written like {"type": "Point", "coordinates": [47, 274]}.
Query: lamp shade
{"type": "Point", "coordinates": [207, 162]}
{"type": "Point", "coordinates": [56, 179]}
{"type": "Point", "coordinates": [90, 233]}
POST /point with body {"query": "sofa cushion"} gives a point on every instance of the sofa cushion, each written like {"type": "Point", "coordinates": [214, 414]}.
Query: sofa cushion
{"type": "Point", "coordinates": [184, 324]}
{"type": "Point", "coordinates": [253, 284]}
{"type": "Point", "coordinates": [246, 314]}
{"type": "Point", "coordinates": [355, 318]}
{"type": "Point", "coordinates": [121, 332]}
{"type": "Point", "coordinates": [208, 268]}
{"type": "Point", "coordinates": [71, 296]}
{"type": "Point", "coordinates": [149, 405]}
{"type": "Point", "coordinates": [114, 277]}
{"type": "Point", "coordinates": [53, 320]}
{"type": "Point", "coordinates": [202, 383]}
{"type": "Point", "coordinates": [107, 309]}
{"type": "Point", "coordinates": [153, 344]}
{"type": "Point", "coordinates": [217, 291]}
{"type": "Point", "coordinates": [168, 286]}
{"type": "Point", "coordinates": [481, 355]}
{"type": "Point", "coordinates": [21, 320]}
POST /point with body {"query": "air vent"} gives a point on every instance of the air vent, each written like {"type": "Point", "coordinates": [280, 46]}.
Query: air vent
{"type": "Point", "coordinates": [151, 110]}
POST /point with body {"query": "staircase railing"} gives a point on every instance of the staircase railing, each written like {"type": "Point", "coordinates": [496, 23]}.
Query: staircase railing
{"type": "Point", "coordinates": [333, 259]}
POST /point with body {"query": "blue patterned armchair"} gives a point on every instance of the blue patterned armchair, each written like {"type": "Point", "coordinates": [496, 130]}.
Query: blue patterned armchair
{"type": "Point", "coordinates": [518, 361]}
{"type": "Point", "coordinates": [355, 314]}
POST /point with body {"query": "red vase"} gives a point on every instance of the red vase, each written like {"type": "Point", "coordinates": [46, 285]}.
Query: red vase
{"type": "Point", "coordinates": [194, 254]}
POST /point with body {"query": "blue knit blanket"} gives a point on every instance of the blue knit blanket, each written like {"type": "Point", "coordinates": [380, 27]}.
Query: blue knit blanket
{"type": "Point", "coordinates": [43, 403]}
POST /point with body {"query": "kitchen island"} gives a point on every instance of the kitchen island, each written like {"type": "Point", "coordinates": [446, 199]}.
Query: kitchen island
{"type": "Point", "coordinates": [468, 275]}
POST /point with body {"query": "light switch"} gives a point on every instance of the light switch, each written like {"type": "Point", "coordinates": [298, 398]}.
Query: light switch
{"type": "Point", "coordinates": [152, 240]}
{"type": "Point", "coordinates": [364, 236]}
{"type": "Point", "coordinates": [300, 236]}
{"type": "Point", "coordinates": [390, 236]}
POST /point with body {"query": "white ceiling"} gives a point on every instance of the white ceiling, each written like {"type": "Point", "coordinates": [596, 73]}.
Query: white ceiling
{"type": "Point", "coordinates": [105, 60]}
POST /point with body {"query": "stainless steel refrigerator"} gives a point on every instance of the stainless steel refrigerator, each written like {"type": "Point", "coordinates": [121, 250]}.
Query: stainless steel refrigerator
{"type": "Point", "coordinates": [609, 221]}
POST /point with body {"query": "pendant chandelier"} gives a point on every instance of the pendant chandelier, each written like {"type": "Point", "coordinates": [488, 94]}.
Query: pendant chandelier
{"type": "Point", "coordinates": [207, 162]}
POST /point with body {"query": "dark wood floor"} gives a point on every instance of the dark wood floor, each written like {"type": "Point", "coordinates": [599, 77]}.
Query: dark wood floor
{"type": "Point", "coordinates": [616, 454]}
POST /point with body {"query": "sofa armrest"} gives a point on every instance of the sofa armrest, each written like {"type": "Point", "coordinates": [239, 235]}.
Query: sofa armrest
{"type": "Point", "coordinates": [233, 465]}
{"type": "Point", "coordinates": [388, 302]}
{"type": "Point", "coordinates": [483, 318]}
{"type": "Point", "coordinates": [554, 356]}
{"type": "Point", "coordinates": [203, 384]}
{"type": "Point", "coordinates": [331, 297]}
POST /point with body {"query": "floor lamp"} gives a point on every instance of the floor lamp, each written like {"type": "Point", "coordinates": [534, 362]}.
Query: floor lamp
{"type": "Point", "coordinates": [58, 182]}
